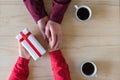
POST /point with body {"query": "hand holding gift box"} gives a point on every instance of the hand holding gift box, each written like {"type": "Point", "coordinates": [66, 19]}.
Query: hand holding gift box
{"type": "Point", "coordinates": [34, 48]}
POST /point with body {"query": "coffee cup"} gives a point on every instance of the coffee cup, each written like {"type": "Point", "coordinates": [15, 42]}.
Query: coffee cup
{"type": "Point", "coordinates": [83, 12]}
{"type": "Point", "coordinates": [88, 69]}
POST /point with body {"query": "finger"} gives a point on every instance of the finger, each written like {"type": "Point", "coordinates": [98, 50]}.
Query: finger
{"type": "Point", "coordinates": [47, 33]}
{"type": "Point", "coordinates": [44, 36]}
{"type": "Point", "coordinates": [42, 30]}
{"type": "Point", "coordinates": [19, 48]}
{"type": "Point", "coordinates": [60, 38]}
{"type": "Point", "coordinates": [59, 41]}
{"type": "Point", "coordinates": [53, 37]}
{"type": "Point", "coordinates": [20, 45]}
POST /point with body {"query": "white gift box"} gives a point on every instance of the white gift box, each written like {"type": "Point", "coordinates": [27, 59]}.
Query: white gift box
{"type": "Point", "coordinates": [29, 42]}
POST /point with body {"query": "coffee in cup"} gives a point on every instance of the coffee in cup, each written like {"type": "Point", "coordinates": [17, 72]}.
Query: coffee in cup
{"type": "Point", "coordinates": [83, 12]}
{"type": "Point", "coordinates": [88, 69]}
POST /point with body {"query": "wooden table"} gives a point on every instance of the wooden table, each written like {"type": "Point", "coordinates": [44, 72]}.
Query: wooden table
{"type": "Point", "coordinates": [96, 40]}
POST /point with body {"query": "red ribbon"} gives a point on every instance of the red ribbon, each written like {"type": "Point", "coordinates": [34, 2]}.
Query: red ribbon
{"type": "Point", "coordinates": [25, 37]}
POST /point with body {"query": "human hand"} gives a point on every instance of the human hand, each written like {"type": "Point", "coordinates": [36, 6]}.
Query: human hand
{"type": "Point", "coordinates": [41, 25]}
{"type": "Point", "coordinates": [23, 52]}
{"type": "Point", "coordinates": [53, 32]}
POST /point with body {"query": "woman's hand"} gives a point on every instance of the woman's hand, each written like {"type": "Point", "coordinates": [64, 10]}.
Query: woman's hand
{"type": "Point", "coordinates": [23, 52]}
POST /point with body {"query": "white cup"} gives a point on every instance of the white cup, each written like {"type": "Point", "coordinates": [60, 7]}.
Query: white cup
{"type": "Point", "coordinates": [88, 69]}
{"type": "Point", "coordinates": [83, 12]}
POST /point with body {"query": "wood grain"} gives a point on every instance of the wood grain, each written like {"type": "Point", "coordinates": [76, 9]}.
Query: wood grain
{"type": "Point", "coordinates": [96, 40]}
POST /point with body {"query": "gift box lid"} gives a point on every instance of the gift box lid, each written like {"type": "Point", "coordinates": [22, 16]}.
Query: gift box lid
{"type": "Point", "coordinates": [25, 31]}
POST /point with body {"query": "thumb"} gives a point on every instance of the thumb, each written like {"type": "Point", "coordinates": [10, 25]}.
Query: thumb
{"type": "Point", "coordinates": [47, 33]}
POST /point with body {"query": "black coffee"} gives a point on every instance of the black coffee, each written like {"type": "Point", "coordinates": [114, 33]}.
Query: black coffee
{"type": "Point", "coordinates": [83, 13]}
{"type": "Point", "coordinates": [88, 68]}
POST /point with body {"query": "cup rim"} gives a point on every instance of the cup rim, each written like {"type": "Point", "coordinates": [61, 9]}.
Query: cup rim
{"type": "Point", "coordinates": [88, 8]}
{"type": "Point", "coordinates": [93, 74]}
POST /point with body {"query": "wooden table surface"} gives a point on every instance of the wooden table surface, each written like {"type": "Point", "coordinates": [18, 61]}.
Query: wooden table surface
{"type": "Point", "coordinates": [96, 40]}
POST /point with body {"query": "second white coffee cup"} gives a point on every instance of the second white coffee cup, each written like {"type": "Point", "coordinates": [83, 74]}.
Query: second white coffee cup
{"type": "Point", "coordinates": [88, 69]}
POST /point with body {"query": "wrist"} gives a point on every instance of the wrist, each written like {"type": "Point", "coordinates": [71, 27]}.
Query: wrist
{"type": "Point", "coordinates": [56, 20]}
{"type": "Point", "coordinates": [45, 18]}
{"type": "Point", "coordinates": [52, 50]}
{"type": "Point", "coordinates": [25, 57]}
{"type": "Point", "coordinates": [22, 61]}
{"type": "Point", "coordinates": [53, 22]}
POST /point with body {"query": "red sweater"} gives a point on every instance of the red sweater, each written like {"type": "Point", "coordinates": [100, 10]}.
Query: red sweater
{"type": "Point", "coordinates": [59, 67]}
{"type": "Point", "coordinates": [37, 9]}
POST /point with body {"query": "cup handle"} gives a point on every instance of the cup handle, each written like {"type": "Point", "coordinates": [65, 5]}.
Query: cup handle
{"type": "Point", "coordinates": [76, 7]}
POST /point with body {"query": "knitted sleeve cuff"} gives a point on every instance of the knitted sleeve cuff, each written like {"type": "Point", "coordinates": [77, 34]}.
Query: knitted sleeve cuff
{"type": "Point", "coordinates": [22, 61]}
{"type": "Point", "coordinates": [58, 11]}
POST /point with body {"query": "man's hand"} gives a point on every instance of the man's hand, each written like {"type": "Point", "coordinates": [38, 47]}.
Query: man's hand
{"type": "Point", "coordinates": [54, 34]}
{"type": "Point", "coordinates": [42, 24]}
{"type": "Point", "coordinates": [23, 52]}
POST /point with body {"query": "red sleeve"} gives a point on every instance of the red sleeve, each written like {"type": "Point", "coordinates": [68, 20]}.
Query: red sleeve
{"type": "Point", "coordinates": [36, 8]}
{"type": "Point", "coordinates": [20, 70]}
{"type": "Point", "coordinates": [58, 10]}
{"type": "Point", "coordinates": [59, 66]}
